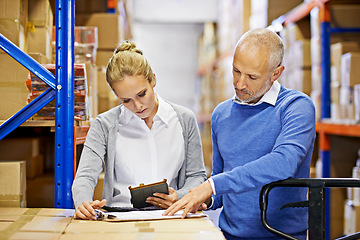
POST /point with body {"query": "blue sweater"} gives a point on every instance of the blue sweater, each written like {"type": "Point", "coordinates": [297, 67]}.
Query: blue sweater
{"type": "Point", "coordinates": [256, 145]}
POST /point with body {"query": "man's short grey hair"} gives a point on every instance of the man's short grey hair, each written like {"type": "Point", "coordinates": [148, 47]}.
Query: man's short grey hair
{"type": "Point", "coordinates": [265, 38]}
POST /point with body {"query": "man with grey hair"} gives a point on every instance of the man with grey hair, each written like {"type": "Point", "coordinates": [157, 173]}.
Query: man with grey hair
{"type": "Point", "coordinates": [263, 134]}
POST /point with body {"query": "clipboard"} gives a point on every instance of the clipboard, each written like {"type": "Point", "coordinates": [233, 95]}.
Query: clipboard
{"type": "Point", "coordinates": [143, 191]}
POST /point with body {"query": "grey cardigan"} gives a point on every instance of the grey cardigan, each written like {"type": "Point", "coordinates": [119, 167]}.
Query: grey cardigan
{"type": "Point", "coordinates": [99, 153]}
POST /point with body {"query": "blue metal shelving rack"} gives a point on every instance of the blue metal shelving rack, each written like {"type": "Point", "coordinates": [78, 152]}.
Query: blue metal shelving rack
{"type": "Point", "coordinates": [62, 89]}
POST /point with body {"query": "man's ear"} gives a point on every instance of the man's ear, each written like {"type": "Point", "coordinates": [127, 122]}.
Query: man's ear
{"type": "Point", "coordinates": [277, 73]}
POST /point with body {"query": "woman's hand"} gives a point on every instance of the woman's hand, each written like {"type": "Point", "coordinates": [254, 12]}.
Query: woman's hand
{"type": "Point", "coordinates": [163, 200]}
{"type": "Point", "coordinates": [86, 210]}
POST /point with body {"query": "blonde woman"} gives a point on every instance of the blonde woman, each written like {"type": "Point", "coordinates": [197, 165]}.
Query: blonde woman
{"type": "Point", "coordinates": [143, 140]}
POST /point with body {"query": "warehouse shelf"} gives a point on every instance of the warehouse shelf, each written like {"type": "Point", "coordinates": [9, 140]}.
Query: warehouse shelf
{"type": "Point", "coordinates": [62, 90]}
{"type": "Point", "coordinates": [324, 130]}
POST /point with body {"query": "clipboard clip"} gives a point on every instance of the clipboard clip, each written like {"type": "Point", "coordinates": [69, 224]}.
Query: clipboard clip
{"type": "Point", "coordinates": [101, 215]}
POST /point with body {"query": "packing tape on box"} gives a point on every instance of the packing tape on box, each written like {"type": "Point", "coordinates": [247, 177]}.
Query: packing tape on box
{"type": "Point", "coordinates": [19, 223]}
{"type": "Point", "coordinates": [11, 197]}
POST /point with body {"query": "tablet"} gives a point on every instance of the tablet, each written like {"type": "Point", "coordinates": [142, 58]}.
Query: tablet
{"type": "Point", "coordinates": [143, 191]}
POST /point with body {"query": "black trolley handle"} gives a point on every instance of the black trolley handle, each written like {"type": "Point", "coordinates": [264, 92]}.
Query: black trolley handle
{"type": "Point", "coordinates": [311, 183]}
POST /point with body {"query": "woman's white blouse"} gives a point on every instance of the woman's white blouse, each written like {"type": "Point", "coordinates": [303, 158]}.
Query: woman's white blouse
{"type": "Point", "coordinates": [146, 155]}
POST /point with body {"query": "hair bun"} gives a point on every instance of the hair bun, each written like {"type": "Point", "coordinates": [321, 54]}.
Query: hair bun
{"type": "Point", "coordinates": [127, 46]}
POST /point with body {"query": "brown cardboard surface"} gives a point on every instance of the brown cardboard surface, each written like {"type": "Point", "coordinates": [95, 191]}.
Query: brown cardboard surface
{"type": "Point", "coordinates": [12, 211]}
{"type": "Point", "coordinates": [103, 86]}
{"type": "Point", "coordinates": [171, 226]}
{"type": "Point", "coordinates": [4, 225]}
{"type": "Point", "coordinates": [46, 224]}
{"type": "Point", "coordinates": [108, 37]}
{"type": "Point", "coordinates": [40, 13]}
{"type": "Point", "coordinates": [40, 40]}
{"type": "Point", "coordinates": [201, 235]}
{"type": "Point", "coordinates": [14, 9]}
{"type": "Point", "coordinates": [9, 218]}
{"type": "Point", "coordinates": [15, 32]}
{"type": "Point", "coordinates": [103, 57]}
{"type": "Point", "coordinates": [13, 90]}
{"type": "Point", "coordinates": [345, 16]}
{"type": "Point", "coordinates": [40, 58]}
{"type": "Point", "coordinates": [35, 236]}
{"type": "Point", "coordinates": [85, 226]}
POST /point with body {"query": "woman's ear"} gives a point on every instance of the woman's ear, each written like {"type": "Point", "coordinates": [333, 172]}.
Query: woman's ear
{"type": "Point", "coordinates": [277, 73]}
{"type": "Point", "coordinates": [153, 82]}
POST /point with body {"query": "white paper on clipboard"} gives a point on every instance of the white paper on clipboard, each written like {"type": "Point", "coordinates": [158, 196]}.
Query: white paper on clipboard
{"type": "Point", "coordinates": [150, 215]}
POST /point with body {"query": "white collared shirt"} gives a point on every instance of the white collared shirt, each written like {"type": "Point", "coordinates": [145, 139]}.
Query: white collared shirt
{"type": "Point", "coordinates": [146, 155]}
{"type": "Point", "coordinates": [269, 97]}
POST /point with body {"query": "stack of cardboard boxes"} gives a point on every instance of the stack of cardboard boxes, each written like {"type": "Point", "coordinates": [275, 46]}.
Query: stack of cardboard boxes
{"type": "Point", "coordinates": [297, 58]}
{"type": "Point", "coordinates": [13, 26]}
{"type": "Point", "coordinates": [112, 29]}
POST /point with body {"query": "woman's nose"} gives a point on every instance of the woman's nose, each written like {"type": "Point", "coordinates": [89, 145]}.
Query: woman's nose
{"type": "Point", "coordinates": [137, 105]}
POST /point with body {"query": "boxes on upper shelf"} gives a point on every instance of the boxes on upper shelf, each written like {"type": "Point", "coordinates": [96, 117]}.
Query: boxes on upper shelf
{"type": "Point", "coordinates": [39, 41]}
{"type": "Point", "coordinates": [13, 91]}
{"type": "Point", "coordinates": [40, 13]}
{"type": "Point", "coordinates": [337, 50]}
{"type": "Point", "coordinates": [37, 87]}
{"type": "Point", "coordinates": [109, 37]}
{"type": "Point", "coordinates": [85, 43]}
{"type": "Point", "coordinates": [350, 69]}
{"type": "Point", "coordinates": [13, 21]}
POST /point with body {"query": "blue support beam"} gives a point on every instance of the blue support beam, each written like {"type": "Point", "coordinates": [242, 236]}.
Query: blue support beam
{"type": "Point", "coordinates": [27, 61]}
{"type": "Point", "coordinates": [41, 72]}
{"type": "Point", "coordinates": [64, 102]}
{"type": "Point", "coordinates": [325, 112]}
{"type": "Point", "coordinates": [29, 110]}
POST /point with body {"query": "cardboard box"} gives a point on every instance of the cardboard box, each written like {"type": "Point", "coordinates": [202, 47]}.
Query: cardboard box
{"type": "Point", "coordinates": [302, 78]}
{"type": "Point", "coordinates": [301, 53]}
{"type": "Point", "coordinates": [345, 16]}
{"type": "Point", "coordinates": [350, 69]}
{"type": "Point", "coordinates": [14, 10]}
{"type": "Point", "coordinates": [109, 37]}
{"type": "Point", "coordinates": [40, 41]}
{"type": "Point", "coordinates": [90, 6]}
{"type": "Point", "coordinates": [103, 86]}
{"type": "Point", "coordinates": [40, 58]}
{"type": "Point", "coordinates": [30, 153]}
{"type": "Point", "coordinates": [12, 184]}
{"type": "Point", "coordinates": [351, 217]}
{"type": "Point", "coordinates": [103, 57]}
{"type": "Point", "coordinates": [13, 91]}
{"type": "Point", "coordinates": [337, 50]}
{"type": "Point", "coordinates": [346, 103]}
{"type": "Point", "coordinates": [15, 32]}
{"type": "Point", "coordinates": [40, 13]}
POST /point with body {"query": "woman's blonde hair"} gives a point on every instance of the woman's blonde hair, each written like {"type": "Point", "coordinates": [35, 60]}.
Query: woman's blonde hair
{"type": "Point", "coordinates": [127, 60]}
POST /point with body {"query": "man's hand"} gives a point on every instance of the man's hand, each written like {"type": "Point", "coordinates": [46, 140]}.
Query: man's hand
{"type": "Point", "coordinates": [86, 209]}
{"type": "Point", "coordinates": [163, 200]}
{"type": "Point", "coordinates": [192, 201]}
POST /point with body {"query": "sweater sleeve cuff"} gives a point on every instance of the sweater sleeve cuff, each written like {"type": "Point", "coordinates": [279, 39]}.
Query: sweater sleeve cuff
{"type": "Point", "coordinates": [211, 181]}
